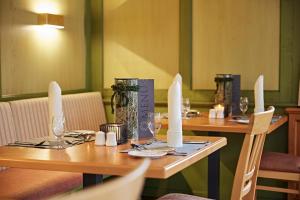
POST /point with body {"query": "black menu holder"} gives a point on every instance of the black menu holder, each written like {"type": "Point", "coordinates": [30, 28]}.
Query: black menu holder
{"type": "Point", "coordinates": [236, 88]}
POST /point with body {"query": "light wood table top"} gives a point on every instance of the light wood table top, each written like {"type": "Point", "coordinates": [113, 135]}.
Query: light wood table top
{"type": "Point", "coordinates": [88, 158]}
{"type": "Point", "coordinates": [203, 123]}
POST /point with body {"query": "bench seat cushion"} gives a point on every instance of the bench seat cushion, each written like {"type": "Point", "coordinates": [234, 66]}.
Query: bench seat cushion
{"type": "Point", "coordinates": [36, 184]}
{"type": "Point", "coordinates": [281, 162]}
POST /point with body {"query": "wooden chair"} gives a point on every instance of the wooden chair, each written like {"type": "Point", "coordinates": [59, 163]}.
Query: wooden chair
{"type": "Point", "coordinates": [246, 173]}
{"type": "Point", "coordinates": [280, 166]}
{"type": "Point", "coordinates": [128, 187]}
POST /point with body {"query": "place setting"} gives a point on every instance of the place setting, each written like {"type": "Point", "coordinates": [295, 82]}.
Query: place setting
{"type": "Point", "coordinates": [148, 145]}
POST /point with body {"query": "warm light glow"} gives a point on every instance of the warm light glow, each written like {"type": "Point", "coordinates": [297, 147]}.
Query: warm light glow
{"type": "Point", "coordinates": [45, 35]}
{"type": "Point", "coordinates": [219, 106]}
{"type": "Point", "coordinates": [52, 26]}
{"type": "Point", "coordinates": [47, 7]}
{"type": "Point", "coordinates": [128, 69]}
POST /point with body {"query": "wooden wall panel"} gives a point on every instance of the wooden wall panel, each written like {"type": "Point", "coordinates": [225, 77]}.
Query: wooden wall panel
{"type": "Point", "coordinates": [141, 39]}
{"type": "Point", "coordinates": [32, 56]}
{"type": "Point", "coordinates": [237, 37]}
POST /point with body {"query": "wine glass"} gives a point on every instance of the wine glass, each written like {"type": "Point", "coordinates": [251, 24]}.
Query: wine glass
{"type": "Point", "coordinates": [58, 130]}
{"type": "Point", "coordinates": [185, 107]}
{"type": "Point", "coordinates": [244, 105]}
{"type": "Point", "coordinates": [154, 124]}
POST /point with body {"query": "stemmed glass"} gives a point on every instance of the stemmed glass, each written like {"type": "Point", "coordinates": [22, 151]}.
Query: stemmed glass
{"type": "Point", "coordinates": [154, 124]}
{"type": "Point", "coordinates": [58, 130]}
{"type": "Point", "coordinates": [185, 107]}
{"type": "Point", "coordinates": [244, 105]}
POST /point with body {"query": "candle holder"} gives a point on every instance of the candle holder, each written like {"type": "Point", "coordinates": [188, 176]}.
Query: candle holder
{"type": "Point", "coordinates": [219, 109]}
{"type": "Point", "coordinates": [118, 128]}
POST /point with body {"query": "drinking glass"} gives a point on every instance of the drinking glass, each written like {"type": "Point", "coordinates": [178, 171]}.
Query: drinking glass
{"type": "Point", "coordinates": [58, 130]}
{"type": "Point", "coordinates": [154, 124]}
{"type": "Point", "coordinates": [244, 105]}
{"type": "Point", "coordinates": [185, 107]}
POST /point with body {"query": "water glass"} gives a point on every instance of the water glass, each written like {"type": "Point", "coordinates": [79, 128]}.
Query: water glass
{"type": "Point", "coordinates": [185, 107]}
{"type": "Point", "coordinates": [58, 129]}
{"type": "Point", "coordinates": [244, 105]}
{"type": "Point", "coordinates": [154, 124]}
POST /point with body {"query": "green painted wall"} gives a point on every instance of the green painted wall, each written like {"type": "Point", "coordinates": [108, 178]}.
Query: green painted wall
{"type": "Point", "coordinates": [194, 178]}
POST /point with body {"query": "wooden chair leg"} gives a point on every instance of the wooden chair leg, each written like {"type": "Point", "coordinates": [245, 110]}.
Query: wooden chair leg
{"type": "Point", "coordinates": [293, 185]}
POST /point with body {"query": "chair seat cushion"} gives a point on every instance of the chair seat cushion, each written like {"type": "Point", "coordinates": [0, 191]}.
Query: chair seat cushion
{"type": "Point", "coordinates": [36, 184]}
{"type": "Point", "coordinates": [282, 162]}
{"type": "Point", "coordinates": [178, 196]}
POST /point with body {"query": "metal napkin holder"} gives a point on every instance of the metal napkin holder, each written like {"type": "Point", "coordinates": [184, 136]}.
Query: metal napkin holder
{"type": "Point", "coordinates": [118, 128]}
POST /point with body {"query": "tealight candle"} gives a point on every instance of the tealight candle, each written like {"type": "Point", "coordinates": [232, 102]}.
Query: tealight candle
{"type": "Point", "coordinates": [220, 111]}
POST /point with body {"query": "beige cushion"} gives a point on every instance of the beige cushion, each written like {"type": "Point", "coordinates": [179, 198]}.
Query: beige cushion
{"type": "Point", "coordinates": [7, 129]}
{"type": "Point", "coordinates": [84, 111]}
{"type": "Point", "coordinates": [36, 184]}
{"type": "Point", "coordinates": [30, 117]}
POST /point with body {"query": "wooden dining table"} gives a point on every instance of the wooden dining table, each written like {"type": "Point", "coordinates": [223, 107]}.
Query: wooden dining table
{"type": "Point", "coordinates": [94, 161]}
{"type": "Point", "coordinates": [215, 127]}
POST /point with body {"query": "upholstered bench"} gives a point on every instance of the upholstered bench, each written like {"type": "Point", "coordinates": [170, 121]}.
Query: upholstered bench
{"type": "Point", "coordinates": [23, 119]}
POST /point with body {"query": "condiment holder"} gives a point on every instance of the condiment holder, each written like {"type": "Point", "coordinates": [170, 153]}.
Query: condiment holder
{"type": "Point", "coordinates": [118, 128]}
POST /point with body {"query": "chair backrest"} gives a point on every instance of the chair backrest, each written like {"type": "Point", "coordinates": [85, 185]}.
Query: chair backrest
{"type": "Point", "coordinates": [247, 168]}
{"type": "Point", "coordinates": [7, 128]}
{"type": "Point", "coordinates": [128, 187]}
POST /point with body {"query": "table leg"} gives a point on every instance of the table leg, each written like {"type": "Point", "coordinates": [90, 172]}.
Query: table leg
{"type": "Point", "coordinates": [91, 179]}
{"type": "Point", "coordinates": [214, 172]}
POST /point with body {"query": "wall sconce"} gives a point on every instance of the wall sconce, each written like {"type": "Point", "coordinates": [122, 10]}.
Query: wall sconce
{"type": "Point", "coordinates": [51, 20]}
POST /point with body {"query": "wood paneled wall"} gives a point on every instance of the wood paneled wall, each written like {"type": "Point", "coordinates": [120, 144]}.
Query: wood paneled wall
{"type": "Point", "coordinates": [141, 39]}
{"type": "Point", "coordinates": [236, 37]}
{"type": "Point", "coordinates": [32, 56]}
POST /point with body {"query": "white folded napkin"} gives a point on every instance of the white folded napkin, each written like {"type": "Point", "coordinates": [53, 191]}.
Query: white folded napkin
{"type": "Point", "coordinates": [54, 104]}
{"type": "Point", "coordinates": [259, 94]}
{"type": "Point", "coordinates": [174, 133]}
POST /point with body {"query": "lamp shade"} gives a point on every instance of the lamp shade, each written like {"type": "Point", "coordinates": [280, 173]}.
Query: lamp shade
{"type": "Point", "coordinates": [51, 20]}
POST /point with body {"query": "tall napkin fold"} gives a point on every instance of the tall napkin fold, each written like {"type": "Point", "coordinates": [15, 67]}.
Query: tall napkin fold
{"type": "Point", "coordinates": [259, 94]}
{"type": "Point", "coordinates": [54, 104]}
{"type": "Point", "coordinates": [174, 133]}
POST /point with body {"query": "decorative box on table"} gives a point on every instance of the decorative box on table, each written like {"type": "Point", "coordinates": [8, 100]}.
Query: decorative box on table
{"type": "Point", "coordinates": [132, 100]}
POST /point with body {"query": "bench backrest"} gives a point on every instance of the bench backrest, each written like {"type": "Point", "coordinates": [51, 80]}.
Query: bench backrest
{"type": "Point", "coordinates": [7, 128]}
{"type": "Point", "coordinates": [84, 111]}
{"type": "Point", "coordinates": [30, 117]}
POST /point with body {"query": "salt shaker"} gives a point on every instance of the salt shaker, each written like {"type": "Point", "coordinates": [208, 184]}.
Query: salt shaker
{"type": "Point", "coordinates": [100, 138]}
{"type": "Point", "coordinates": [111, 139]}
